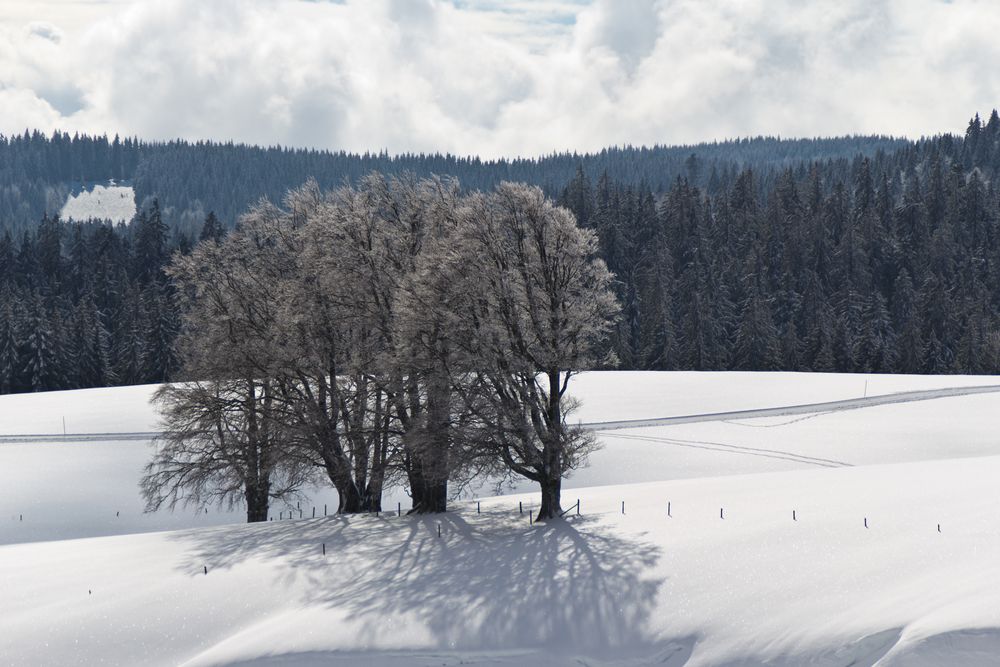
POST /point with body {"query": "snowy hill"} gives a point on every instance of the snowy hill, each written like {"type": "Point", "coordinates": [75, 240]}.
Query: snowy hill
{"type": "Point", "coordinates": [100, 201]}
{"type": "Point", "coordinates": [730, 577]}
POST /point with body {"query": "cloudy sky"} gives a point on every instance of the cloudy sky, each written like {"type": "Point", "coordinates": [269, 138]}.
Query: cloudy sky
{"type": "Point", "coordinates": [495, 77]}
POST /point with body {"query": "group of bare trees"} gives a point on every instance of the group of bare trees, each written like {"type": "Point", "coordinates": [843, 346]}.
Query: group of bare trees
{"type": "Point", "coordinates": [396, 332]}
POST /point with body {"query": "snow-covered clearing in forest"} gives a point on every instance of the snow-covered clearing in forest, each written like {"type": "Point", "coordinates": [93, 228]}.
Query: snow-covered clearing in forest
{"type": "Point", "coordinates": [752, 587]}
{"type": "Point", "coordinates": [109, 201]}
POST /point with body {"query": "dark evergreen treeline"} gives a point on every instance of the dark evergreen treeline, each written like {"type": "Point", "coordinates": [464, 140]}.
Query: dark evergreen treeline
{"type": "Point", "coordinates": [888, 264]}
{"type": "Point", "coordinates": [86, 305]}
{"type": "Point", "coordinates": [190, 179]}
{"type": "Point", "coordinates": [864, 255]}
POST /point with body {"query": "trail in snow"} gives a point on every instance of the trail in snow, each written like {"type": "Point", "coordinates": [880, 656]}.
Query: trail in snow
{"type": "Point", "coordinates": [809, 409]}
{"type": "Point", "coordinates": [736, 449]}
{"type": "Point", "coordinates": [803, 409]}
{"type": "Point", "coordinates": [78, 437]}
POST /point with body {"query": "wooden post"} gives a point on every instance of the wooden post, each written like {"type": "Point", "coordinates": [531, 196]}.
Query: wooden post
{"type": "Point", "coordinates": [314, 511]}
{"type": "Point", "coordinates": [324, 548]}
{"type": "Point", "coordinates": [578, 507]}
{"type": "Point", "coordinates": [668, 509]}
{"type": "Point", "coordinates": [439, 530]}
{"type": "Point", "coordinates": [793, 516]}
{"type": "Point", "coordinates": [477, 507]}
{"type": "Point", "coordinates": [399, 509]}
{"type": "Point", "coordinates": [206, 569]}
{"type": "Point", "coordinates": [721, 515]}
{"type": "Point", "coordinates": [623, 507]}
{"type": "Point", "coordinates": [324, 509]}
{"type": "Point", "coordinates": [939, 528]}
{"type": "Point", "coordinates": [520, 507]}
{"type": "Point", "coordinates": [866, 522]}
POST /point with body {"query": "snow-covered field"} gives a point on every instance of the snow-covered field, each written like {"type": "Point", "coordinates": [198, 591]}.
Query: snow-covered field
{"type": "Point", "coordinates": [919, 586]}
{"type": "Point", "coordinates": [100, 202]}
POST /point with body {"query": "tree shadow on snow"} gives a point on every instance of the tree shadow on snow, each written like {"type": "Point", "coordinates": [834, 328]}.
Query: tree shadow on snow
{"type": "Point", "coordinates": [492, 582]}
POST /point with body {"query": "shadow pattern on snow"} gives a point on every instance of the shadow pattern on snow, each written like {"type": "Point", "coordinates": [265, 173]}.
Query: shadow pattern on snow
{"type": "Point", "coordinates": [489, 583]}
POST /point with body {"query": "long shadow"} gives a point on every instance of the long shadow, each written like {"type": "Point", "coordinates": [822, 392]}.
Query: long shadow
{"type": "Point", "coordinates": [491, 582]}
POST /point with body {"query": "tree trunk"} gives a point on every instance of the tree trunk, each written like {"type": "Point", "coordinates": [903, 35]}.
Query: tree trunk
{"type": "Point", "coordinates": [552, 452]}
{"type": "Point", "coordinates": [258, 502]}
{"type": "Point", "coordinates": [551, 493]}
{"type": "Point", "coordinates": [430, 496]}
{"type": "Point", "coordinates": [350, 498]}
{"type": "Point", "coordinates": [428, 490]}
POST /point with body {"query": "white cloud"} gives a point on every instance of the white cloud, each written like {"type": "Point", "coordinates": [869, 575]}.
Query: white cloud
{"type": "Point", "coordinates": [500, 78]}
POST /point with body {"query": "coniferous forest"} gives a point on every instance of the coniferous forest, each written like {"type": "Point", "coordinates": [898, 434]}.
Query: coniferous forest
{"type": "Point", "coordinates": [863, 254]}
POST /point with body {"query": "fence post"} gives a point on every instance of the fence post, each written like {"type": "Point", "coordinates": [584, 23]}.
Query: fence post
{"type": "Point", "coordinates": [866, 522]}
{"type": "Point", "coordinates": [324, 509]}
{"type": "Point", "coordinates": [399, 509]}
{"type": "Point", "coordinates": [668, 509]}
{"type": "Point", "coordinates": [520, 507]}
{"type": "Point", "coordinates": [578, 507]}
{"type": "Point", "coordinates": [623, 507]}
{"type": "Point", "coordinates": [721, 514]}
{"type": "Point", "coordinates": [324, 548]}
{"type": "Point", "coordinates": [314, 511]}
{"type": "Point", "coordinates": [793, 516]}
{"type": "Point", "coordinates": [477, 507]}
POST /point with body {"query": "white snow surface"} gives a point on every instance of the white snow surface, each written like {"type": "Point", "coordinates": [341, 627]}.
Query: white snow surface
{"type": "Point", "coordinates": [919, 586]}
{"type": "Point", "coordinates": [109, 201]}
{"type": "Point", "coordinates": [605, 396]}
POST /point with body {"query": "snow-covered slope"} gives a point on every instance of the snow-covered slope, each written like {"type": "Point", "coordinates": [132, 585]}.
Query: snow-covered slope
{"type": "Point", "coordinates": [606, 396]}
{"type": "Point", "coordinates": [728, 578]}
{"type": "Point", "coordinates": [109, 201]}
{"type": "Point", "coordinates": [754, 587]}
{"type": "Point", "coordinates": [85, 489]}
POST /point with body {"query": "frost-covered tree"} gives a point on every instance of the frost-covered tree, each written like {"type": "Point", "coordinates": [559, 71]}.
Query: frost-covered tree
{"type": "Point", "coordinates": [220, 446]}
{"type": "Point", "coordinates": [529, 305]}
{"type": "Point", "coordinates": [223, 437]}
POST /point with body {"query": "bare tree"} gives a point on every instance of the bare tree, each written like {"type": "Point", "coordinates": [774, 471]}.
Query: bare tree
{"type": "Point", "coordinates": [392, 327]}
{"type": "Point", "coordinates": [222, 440]}
{"type": "Point", "coordinates": [364, 244]}
{"type": "Point", "coordinates": [528, 304]}
{"type": "Point", "coordinates": [220, 446]}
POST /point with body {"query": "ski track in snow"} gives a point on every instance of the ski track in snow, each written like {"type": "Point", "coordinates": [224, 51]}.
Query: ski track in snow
{"type": "Point", "coordinates": [736, 449]}
{"type": "Point", "coordinates": [810, 409]}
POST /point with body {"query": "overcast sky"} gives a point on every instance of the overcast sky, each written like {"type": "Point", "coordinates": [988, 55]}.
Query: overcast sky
{"type": "Point", "coordinates": [495, 77]}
